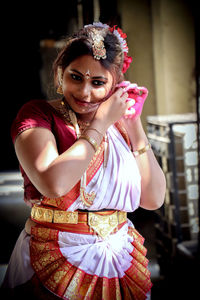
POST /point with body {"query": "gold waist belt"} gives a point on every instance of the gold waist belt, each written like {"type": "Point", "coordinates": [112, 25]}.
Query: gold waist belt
{"type": "Point", "coordinates": [101, 222]}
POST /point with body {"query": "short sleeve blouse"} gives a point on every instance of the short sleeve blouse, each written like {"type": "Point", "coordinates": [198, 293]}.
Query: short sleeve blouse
{"type": "Point", "coordinates": [39, 113]}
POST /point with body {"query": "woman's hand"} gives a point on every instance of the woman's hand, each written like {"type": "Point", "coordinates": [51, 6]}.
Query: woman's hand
{"type": "Point", "coordinates": [136, 98]}
{"type": "Point", "coordinates": [113, 108]}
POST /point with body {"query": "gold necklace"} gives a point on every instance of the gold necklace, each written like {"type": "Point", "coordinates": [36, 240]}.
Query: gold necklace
{"type": "Point", "coordinates": [70, 117]}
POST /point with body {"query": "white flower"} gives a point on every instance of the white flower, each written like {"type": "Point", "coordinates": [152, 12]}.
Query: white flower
{"type": "Point", "coordinates": [97, 24]}
{"type": "Point", "coordinates": [121, 40]}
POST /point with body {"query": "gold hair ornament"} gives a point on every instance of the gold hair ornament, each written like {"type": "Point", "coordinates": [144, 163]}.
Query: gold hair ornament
{"type": "Point", "coordinates": [98, 48]}
{"type": "Point", "coordinates": [121, 36]}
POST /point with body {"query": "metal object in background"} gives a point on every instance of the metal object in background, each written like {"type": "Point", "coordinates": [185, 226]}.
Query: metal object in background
{"type": "Point", "coordinates": [174, 141]}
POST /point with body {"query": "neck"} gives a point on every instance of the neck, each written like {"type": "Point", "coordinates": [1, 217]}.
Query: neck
{"type": "Point", "coordinates": [86, 117]}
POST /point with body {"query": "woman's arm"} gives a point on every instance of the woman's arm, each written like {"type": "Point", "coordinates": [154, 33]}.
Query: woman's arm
{"type": "Point", "coordinates": [52, 174]}
{"type": "Point", "coordinates": [153, 183]}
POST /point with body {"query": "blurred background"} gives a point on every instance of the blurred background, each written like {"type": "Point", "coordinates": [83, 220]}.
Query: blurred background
{"type": "Point", "coordinates": [163, 39]}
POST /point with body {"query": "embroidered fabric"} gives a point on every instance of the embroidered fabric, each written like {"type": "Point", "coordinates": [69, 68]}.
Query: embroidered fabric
{"type": "Point", "coordinates": [78, 265]}
{"type": "Point", "coordinates": [93, 255]}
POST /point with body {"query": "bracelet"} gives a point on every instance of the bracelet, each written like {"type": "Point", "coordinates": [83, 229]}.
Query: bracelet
{"type": "Point", "coordinates": [90, 140]}
{"type": "Point", "coordinates": [141, 151]}
{"type": "Point", "coordinates": [92, 128]}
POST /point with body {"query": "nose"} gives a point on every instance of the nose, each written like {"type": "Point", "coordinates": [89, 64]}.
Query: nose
{"type": "Point", "coordinates": [85, 91]}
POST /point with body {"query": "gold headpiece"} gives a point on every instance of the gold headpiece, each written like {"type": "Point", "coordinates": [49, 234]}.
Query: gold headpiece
{"type": "Point", "coordinates": [98, 47]}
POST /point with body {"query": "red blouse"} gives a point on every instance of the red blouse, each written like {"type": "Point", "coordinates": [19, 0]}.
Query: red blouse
{"type": "Point", "coordinates": [39, 113]}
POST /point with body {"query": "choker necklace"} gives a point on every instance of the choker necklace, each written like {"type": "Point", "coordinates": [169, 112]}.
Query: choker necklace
{"type": "Point", "coordinates": [70, 117]}
{"type": "Point", "coordinates": [80, 126]}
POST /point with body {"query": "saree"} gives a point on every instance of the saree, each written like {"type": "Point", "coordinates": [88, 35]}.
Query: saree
{"type": "Point", "coordinates": [75, 263]}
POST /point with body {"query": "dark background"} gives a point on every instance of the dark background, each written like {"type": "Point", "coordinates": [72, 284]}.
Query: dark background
{"type": "Point", "coordinates": [23, 27]}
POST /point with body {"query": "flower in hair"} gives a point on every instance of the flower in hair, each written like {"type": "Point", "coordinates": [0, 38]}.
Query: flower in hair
{"type": "Point", "coordinates": [98, 24]}
{"type": "Point", "coordinates": [127, 61]}
{"type": "Point", "coordinates": [121, 37]}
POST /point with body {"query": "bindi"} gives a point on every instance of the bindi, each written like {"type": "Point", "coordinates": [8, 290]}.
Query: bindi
{"type": "Point", "coordinates": [87, 74]}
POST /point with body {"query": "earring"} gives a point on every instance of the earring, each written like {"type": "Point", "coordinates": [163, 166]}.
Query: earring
{"type": "Point", "coordinates": [60, 90]}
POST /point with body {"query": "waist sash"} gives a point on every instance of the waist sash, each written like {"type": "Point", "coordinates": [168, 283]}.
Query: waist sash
{"type": "Point", "coordinates": [102, 223]}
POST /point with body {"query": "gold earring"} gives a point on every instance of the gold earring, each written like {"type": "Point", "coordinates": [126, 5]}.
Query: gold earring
{"type": "Point", "coordinates": [60, 90]}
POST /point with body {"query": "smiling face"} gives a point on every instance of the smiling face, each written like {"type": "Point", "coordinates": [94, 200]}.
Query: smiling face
{"type": "Point", "coordinates": [86, 83]}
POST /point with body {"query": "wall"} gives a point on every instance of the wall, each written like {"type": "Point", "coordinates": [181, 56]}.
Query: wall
{"type": "Point", "coordinates": [174, 56]}
{"type": "Point", "coordinates": [161, 41]}
{"type": "Point", "coordinates": [136, 23]}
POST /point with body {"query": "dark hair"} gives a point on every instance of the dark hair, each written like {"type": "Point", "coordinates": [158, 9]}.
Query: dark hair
{"type": "Point", "coordinates": [80, 44]}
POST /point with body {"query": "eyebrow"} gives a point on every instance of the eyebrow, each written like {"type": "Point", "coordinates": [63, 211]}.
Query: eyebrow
{"type": "Point", "coordinates": [94, 77]}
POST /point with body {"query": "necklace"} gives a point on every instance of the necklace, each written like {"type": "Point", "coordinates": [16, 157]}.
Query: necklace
{"type": "Point", "coordinates": [70, 117]}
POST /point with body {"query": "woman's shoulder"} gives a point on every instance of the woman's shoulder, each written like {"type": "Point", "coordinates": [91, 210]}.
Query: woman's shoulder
{"type": "Point", "coordinates": [41, 107]}
{"type": "Point", "coordinates": [33, 113]}
{"type": "Point", "coordinates": [35, 104]}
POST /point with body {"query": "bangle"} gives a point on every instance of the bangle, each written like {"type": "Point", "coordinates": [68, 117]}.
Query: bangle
{"type": "Point", "coordinates": [90, 140]}
{"type": "Point", "coordinates": [91, 128]}
{"type": "Point", "coordinates": [141, 151]}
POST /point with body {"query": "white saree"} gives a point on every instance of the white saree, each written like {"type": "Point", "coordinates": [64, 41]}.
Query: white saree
{"type": "Point", "coordinates": [89, 267]}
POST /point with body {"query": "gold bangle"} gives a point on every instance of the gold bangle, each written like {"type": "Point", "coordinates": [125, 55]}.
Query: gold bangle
{"type": "Point", "coordinates": [141, 151]}
{"type": "Point", "coordinates": [90, 140]}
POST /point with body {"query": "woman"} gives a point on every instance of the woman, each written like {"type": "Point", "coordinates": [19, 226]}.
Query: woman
{"type": "Point", "coordinates": [86, 162]}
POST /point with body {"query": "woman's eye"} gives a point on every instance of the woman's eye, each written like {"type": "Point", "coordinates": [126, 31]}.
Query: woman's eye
{"type": "Point", "coordinates": [98, 82]}
{"type": "Point", "coordinates": [76, 77]}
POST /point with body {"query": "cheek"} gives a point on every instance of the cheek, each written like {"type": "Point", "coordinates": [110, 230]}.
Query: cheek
{"type": "Point", "coordinates": [100, 93]}
{"type": "Point", "coordinates": [68, 88]}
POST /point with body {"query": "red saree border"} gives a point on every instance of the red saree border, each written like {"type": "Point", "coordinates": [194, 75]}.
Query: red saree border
{"type": "Point", "coordinates": [69, 282]}
{"type": "Point", "coordinates": [67, 200]}
{"type": "Point", "coordinates": [123, 132]}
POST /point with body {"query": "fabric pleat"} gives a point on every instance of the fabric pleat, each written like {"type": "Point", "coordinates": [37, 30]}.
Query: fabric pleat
{"type": "Point", "coordinates": [70, 281]}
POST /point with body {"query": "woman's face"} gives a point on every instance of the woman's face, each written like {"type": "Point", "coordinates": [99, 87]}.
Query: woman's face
{"type": "Point", "coordinates": [86, 83]}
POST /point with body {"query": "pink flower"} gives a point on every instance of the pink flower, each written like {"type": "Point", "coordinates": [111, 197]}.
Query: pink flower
{"type": "Point", "coordinates": [139, 94]}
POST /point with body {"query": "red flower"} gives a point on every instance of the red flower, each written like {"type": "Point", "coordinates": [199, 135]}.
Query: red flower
{"type": "Point", "coordinates": [127, 61]}
{"type": "Point", "coordinates": [123, 35]}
